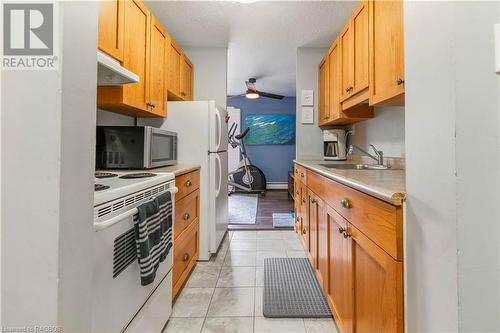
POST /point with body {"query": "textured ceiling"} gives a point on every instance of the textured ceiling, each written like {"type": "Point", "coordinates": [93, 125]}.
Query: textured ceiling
{"type": "Point", "coordinates": [262, 37]}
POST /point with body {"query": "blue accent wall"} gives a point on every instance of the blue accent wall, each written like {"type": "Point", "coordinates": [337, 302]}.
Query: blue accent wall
{"type": "Point", "coordinates": [273, 160]}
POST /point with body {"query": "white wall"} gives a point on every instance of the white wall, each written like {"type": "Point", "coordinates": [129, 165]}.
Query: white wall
{"type": "Point", "coordinates": [107, 118]}
{"type": "Point", "coordinates": [386, 131]}
{"type": "Point", "coordinates": [309, 138]}
{"type": "Point", "coordinates": [210, 73]}
{"type": "Point", "coordinates": [477, 150]}
{"type": "Point", "coordinates": [452, 99]}
{"type": "Point", "coordinates": [48, 120]}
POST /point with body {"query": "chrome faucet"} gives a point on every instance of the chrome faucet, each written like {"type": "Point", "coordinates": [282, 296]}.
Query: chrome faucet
{"type": "Point", "coordinates": [379, 155]}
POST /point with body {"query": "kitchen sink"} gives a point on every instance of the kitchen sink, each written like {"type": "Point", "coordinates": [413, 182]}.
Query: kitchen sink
{"type": "Point", "coordinates": [347, 166]}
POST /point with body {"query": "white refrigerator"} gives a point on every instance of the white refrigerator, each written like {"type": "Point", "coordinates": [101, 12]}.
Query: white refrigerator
{"type": "Point", "coordinates": [202, 139]}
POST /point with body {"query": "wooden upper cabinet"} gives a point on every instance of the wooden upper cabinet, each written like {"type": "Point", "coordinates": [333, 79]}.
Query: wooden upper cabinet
{"type": "Point", "coordinates": [377, 286]}
{"type": "Point", "coordinates": [334, 110]}
{"type": "Point", "coordinates": [186, 79]}
{"type": "Point", "coordinates": [174, 64]}
{"type": "Point", "coordinates": [158, 68]}
{"type": "Point", "coordinates": [111, 28]}
{"type": "Point", "coordinates": [323, 87]}
{"type": "Point", "coordinates": [360, 54]}
{"type": "Point", "coordinates": [136, 53]}
{"type": "Point", "coordinates": [339, 289]}
{"type": "Point", "coordinates": [386, 53]}
{"type": "Point", "coordinates": [346, 63]}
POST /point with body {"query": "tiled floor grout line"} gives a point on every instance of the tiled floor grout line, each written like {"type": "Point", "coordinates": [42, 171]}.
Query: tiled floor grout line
{"type": "Point", "coordinates": [216, 281]}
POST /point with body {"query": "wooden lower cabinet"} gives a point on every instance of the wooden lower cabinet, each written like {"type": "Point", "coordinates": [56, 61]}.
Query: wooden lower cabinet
{"type": "Point", "coordinates": [186, 228]}
{"type": "Point", "coordinates": [339, 290]}
{"type": "Point", "coordinates": [377, 287]}
{"type": "Point", "coordinates": [363, 283]}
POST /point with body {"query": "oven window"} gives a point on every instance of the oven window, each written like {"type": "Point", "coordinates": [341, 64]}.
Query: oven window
{"type": "Point", "coordinates": [162, 148]}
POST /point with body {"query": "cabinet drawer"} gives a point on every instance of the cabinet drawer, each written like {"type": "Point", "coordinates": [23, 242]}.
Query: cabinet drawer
{"type": "Point", "coordinates": [185, 255]}
{"type": "Point", "coordinates": [187, 183]}
{"type": "Point", "coordinates": [300, 173]}
{"type": "Point", "coordinates": [186, 211]}
{"type": "Point", "coordinates": [378, 220]}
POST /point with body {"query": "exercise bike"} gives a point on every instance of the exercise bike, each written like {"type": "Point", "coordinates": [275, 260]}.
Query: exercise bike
{"type": "Point", "coordinates": [247, 178]}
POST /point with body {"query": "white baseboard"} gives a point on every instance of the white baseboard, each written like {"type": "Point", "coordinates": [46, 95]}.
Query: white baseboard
{"type": "Point", "coordinates": [277, 186]}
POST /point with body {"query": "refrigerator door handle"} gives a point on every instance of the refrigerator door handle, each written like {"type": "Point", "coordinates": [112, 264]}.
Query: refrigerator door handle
{"type": "Point", "coordinates": [217, 158]}
{"type": "Point", "coordinates": [218, 127]}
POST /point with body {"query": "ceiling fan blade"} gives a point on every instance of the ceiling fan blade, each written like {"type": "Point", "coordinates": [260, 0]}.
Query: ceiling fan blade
{"type": "Point", "coordinates": [269, 95]}
{"type": "Point", "coordinates": [232, 96]}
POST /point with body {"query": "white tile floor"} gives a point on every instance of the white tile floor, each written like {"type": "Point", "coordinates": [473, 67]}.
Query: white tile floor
{"type": "Point", "coordinates": [225, 294]}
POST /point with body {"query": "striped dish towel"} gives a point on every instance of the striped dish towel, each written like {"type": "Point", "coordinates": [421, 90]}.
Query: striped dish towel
{"type": "Point", "coordinates": [153, 235]}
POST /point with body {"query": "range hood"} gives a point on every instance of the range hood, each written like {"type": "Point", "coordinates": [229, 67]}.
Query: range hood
{"type": "Point", "coordinates": [111, 73]}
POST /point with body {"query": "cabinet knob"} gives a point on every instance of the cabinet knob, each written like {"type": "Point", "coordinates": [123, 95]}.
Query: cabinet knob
{"type": "Point", "coordinates": [303, 200]}
{"type": "Point", "coordinates": [347, 89]}
{"type": "Point", "coordinates": [183, 93]}
{"type": "Point", "coordinates": [185, 257]}
{"type": "Point", "coordinates": [342, 230]}
{"type": "Point", "coordinates": [313, 200]}
{"type": "Point", "coordinates": [400, 81]}
{"type": "Point", "coordinates": [347, 234]}
{"type": "Point", "coordinates": [189, 183]}
{"type": "Point", "coordinates": [302, 174]}
{"type": "Point", "coordinates": [345, 203]}
{"type": "Point", "coordinates": [153, 105]}
{"type": "Point", "coordinates": [303, 231]}
{"type": "Point", "coordinates": [148, 104]}
{"type": "Point", "coordinates": [186, 216]}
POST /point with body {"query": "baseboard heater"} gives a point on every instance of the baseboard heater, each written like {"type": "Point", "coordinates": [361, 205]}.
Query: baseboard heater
{"type": "Point", "coordinates": [276, 186]}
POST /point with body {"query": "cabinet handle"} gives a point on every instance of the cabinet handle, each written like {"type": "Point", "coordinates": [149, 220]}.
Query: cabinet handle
{"type": "Point", "coordinates": [342, 230]}
{"type": "Point", "coordinates": [185, 257]}
{"type": "Point", "coordinates": [313, 200]}
{"type": "Point", "coordinates": [400, 81]}
{"type": "Point", "coordinates": [186, 216]}
{"type": "Point", "coordinates": [345, 203]}
{"type": "Point", "coordinates": [189, 183]}
{"type": "Point", "coordinates": [347, 234]}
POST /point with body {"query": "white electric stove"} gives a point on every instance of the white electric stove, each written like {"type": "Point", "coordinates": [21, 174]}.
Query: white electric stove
{"type": "Point", "coordinates": [120, 302]}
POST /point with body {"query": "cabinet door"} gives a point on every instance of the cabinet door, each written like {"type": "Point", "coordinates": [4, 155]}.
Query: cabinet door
{"type": "Point", "coordinates": [377, 286]}
{"type": "Point", "coordinates": [157, 73]}
{"type": "Point", "coordinates": [304, 213]}
{"type": "Point", "coordinates": [186, 79]}
{"type": "Point", "coordinates": [323, 91]}
{"type": "Point", "coordinates": [339, 289]}
{"type": "Point", "coordinates": [386, 53]}
{"type": "Point", "coordinates": [359, 26]}
{"type": "Point", "coordinates": [314, 210]}
{"type": "Point", "coordinates": [111, 28]}
{"type": "Point", "coordinates": [136, 53]}
{"type": "Point", "coordinates": [174, 64]}
{"type": "Point", "coordinates": [334, 111]}
{"type": "Point", "coordinates": [346, 64]}
{"type": "Point", "coordinates": [322, 241]}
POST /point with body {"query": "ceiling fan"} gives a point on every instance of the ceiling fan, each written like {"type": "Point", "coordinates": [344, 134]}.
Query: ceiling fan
{"type": "Point", "coordinates": [253, 93]}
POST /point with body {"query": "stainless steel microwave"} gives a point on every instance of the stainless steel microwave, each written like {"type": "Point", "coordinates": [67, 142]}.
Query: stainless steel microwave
{"type": "Point", "coordinates": [134, 147]}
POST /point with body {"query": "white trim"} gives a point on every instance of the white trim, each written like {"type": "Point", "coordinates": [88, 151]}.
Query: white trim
{"type": "Point", "coordinates": [277, 186]}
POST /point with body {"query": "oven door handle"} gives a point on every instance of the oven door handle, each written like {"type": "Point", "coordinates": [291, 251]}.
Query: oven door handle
{"type": "Point", "coordinates": [98, 226]}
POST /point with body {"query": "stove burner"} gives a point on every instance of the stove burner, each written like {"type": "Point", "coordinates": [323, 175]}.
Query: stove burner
{"type": "Point", "coordinates": [138, 175]}
{"type": "Point", "coordinates": [105, 175]}
{"type": "Point", "coordinates": [100, 187]}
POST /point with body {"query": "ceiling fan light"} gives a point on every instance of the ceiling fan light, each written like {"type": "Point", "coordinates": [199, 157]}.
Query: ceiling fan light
{"type": "Point", "coordinates": [252, 94]}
